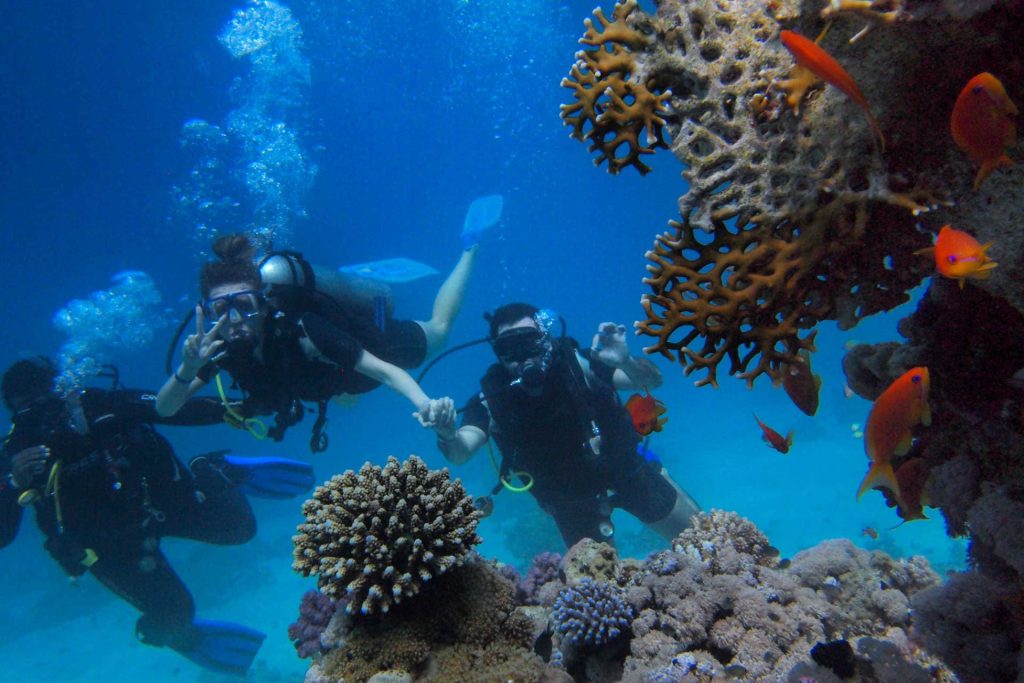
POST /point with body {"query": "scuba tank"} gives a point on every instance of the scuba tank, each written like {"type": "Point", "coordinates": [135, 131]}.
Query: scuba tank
{"type": "Point", "coordinates": [290, 279]}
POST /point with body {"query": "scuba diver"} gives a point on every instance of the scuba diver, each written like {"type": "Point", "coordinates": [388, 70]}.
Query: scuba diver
{"type": "Point", "coordinates": [288, 332]}
{"type": "Point", "coordinates": [562, 430]}
{"type": "Point", "coordinates": [106, 487]}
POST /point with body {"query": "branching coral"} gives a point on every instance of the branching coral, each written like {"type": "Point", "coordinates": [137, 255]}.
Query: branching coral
{"type": "Point", "coordinates": [614, 107]}
{"type": "Point", "coordinates": [377, 536]}
{"type": "Point", "coordinates": [591, 613]}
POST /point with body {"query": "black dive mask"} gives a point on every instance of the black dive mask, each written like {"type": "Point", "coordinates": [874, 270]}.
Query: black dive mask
{"type": "Point", "coordinates": [530, 349]}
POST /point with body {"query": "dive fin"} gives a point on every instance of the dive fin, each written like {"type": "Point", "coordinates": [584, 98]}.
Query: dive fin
{"type": "Point", "coordinates": [482, 214]}
{"type": "Point", "coordinates": [391, 270]}
{"type": "Point", "coordinates": [270, 477]}
{"type": "Point", "coordinates": [224, 646]}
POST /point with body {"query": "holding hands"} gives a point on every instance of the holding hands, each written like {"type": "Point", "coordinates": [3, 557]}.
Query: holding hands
{"type": "Point", "coordinates": [438, 413]}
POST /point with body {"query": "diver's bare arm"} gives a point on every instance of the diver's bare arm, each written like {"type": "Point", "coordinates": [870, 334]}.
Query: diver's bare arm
{"type": "Point", "coordinates": [393, 376]}
{"type": "Point", "coordinates": [175, 393]}
{"type": "Point", "coordinates": [637, 373]}
{"type": "Point", "coordinates": [460, 448]}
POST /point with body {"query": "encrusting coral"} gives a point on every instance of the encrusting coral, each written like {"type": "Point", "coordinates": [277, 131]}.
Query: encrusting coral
{"type": "Point", "coordinates": [376, 537]}
{"type": "Point", "coordinates": [808, 220]}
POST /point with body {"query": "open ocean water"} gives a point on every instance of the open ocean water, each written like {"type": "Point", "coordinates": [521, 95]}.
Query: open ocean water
{"type": "Point", "coordinates": [351, 132]}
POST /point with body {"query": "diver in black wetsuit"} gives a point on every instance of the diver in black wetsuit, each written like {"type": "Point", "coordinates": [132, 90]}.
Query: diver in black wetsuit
{"type": "Point", "coordinates": [106, 487]}
{"type": "Point", "coordinates": [286, 343]}
{"type": "Point", "coordinates": [563, 433]}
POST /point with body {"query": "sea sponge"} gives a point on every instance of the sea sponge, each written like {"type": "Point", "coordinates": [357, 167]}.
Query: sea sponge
{"type": "Point", "coordinates": [591, 613]}
{"type": "Point", "coordinates": [377, 536]}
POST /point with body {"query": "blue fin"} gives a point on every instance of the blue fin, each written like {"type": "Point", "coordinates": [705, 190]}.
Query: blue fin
{"type": "Point", "coordinates": [224, 646]}
{"type": "Point", "coordinates": [391, 270]}
{"type": "Point", "coordinates": [271, 477]}
{"type": "Point", "coordinates": [647, 453]}
{"type": "Point", "coordinates": [483, 213]}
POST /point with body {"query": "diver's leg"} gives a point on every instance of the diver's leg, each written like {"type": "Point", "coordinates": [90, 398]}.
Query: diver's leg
{"type": "Point", "coordinates": [581, 519]}
{"type": "Point", "coordinates": [144, 579]}
{"type": "Point", "coordinates": [216, 511]}
{"type": "Point", "coordinates": [679, 517]}
{"type": "Point", "coordinates": [448, 302]}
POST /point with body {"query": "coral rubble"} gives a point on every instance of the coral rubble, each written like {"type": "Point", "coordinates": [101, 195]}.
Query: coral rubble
{"type": "Point", "coordinates": [378, 536]}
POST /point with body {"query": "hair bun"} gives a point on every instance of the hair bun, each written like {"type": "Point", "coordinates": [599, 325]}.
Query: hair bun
{"type": "Point", "coordinates": [235, 248]}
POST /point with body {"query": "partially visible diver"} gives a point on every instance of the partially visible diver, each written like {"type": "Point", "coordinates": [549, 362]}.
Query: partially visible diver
{"type": "Point", "coordinates": [563, 432]}
{"type": "Point", "coordinates": [106, 487]}
{"type": "Point", "coordinates": [288, 333]}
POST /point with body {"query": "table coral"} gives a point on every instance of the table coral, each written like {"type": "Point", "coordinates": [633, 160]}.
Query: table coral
{"type": "Point", "coordinates": [377, 536]}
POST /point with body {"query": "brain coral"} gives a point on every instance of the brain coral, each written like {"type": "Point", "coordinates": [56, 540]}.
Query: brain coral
{"type": "Point", "coordinates": [377, 536]}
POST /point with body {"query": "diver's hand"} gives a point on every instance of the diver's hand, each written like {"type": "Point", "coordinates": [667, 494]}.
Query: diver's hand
{"type": "Point", "coordinates": [28, 464]}
{"type": "Point", "coordinates": [438, 413]}
{"type": "Point", "coordinates": [202, 347]}
{"type": "Point", "coordinates": [609, 345]}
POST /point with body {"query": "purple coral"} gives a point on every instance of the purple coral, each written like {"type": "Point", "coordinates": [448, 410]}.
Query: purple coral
{"type": "Point", "coordinates": [591, 612]}
{"type": "Point", "coordinates": [315, 612]}
{"type": "Point", "coordinates": [544, 568]}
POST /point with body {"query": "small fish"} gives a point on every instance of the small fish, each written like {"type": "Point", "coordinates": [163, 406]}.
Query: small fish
{"type": "Point", "coordinates": [959, 256]}
{"type": "Point", "coordinates": [815, 61]}
{"type": "Point", "coordinates": [912, 477]}
{"type": "Point", "coordinates": [646, 412]}
{"type": "Point", "coordinates": [870, 532]}
{"type": "Point", "coordinates": [894, 414]}
{"type": "Point", "coordinates": [801, 384]}
{"type": "Point", "coordinates": [773, 438]}
{"type": "Point", "coordinates": [984, 124]}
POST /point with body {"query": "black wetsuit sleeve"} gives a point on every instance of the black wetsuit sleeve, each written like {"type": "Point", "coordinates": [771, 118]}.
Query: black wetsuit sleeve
{"type": "Point", "coordinates": [207, 372]}
{"type": "Point", "coordinates": [135, 405]}
{"type": "Point", "coordinates": [332, 342]}
{"type": "Point", "coordinates": [10, 511]}
{"type": "Point", "coordinates": [476, 415]}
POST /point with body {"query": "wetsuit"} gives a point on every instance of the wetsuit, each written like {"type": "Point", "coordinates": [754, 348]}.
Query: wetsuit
{"type": "Point", "coordinates": [549, 436]}
{"type": "Point", "coordinates": [117, 489]}
{"type": "Point", "coordinates": [286, 376]}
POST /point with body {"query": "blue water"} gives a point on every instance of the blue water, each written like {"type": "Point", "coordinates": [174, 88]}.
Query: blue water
{"type": "Point", "coordinates": [409, 112]}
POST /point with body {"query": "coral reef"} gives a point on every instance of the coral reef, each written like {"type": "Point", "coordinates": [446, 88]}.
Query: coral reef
{"type": "Point", "coordinates": [315, 612]}
{"type": "Point", "coordinates": [544, 568]}
{"type": "Point", "coordinates": [591, 613]}
{"type": "Point", "coordinates": [378, 536]}
{"type": "Point", "coordinates": [973, 456]}
{"type": "Point", "coordinates": [808, 221]}
{"type": "Point", "coordinates": [464, 627]}
{"type": "Point", "coordinates": [719, 605]}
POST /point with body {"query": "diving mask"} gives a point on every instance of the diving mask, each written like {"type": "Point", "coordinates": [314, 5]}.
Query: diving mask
{"type": "Point", "coordinates": [238, 306]}
{"type": "Point", "coordinates": [519, 344]}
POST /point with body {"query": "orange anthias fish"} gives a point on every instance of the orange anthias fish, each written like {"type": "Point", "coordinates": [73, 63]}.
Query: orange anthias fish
{"type": "Point", "coordinates": [895, 413]}
{"type": "Point", "coordinates": [801, 384]}
{"type": "Point", "coordinates": [818, 64]}
{"type": "Point", "coordinates": [646, 412]}
{"type": "Point", "coordinates": [959, 256]}
{"type": "Point", "coordinates": [774, 439]}
{"type": "Point", "coordinates": [984, 124]}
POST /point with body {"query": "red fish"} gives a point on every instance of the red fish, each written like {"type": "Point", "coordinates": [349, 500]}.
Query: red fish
{"type": "Point", "coordinates": [894, 414]}
{"type": "Point", "coordinates": [773, 438]}
{"type": "Point", "coordinates": [646, 412]}
{"type": "Point", "coordinates": [984, 124]}
{"type": "Point", "coordinates": [815, 61]}
{"type": "Point", "coordinates": [801, 384]}
{"type": "Point", "coordinates": [959, 256]}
